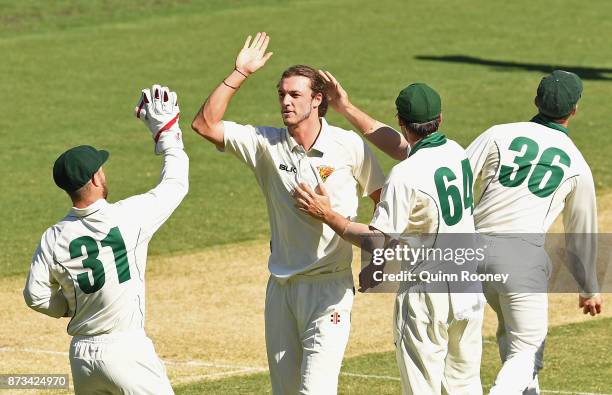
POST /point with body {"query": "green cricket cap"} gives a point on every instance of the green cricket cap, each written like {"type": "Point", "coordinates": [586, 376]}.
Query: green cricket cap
{"type": "Point", "coordinates": [418, 103]}
{"type": "Point", "coordinates": [558, 93]}
{"type": "Point", "coordinates": [75, 167]}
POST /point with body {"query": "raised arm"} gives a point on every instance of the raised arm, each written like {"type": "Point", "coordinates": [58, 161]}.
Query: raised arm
{"type": "Point", "coordinates": [382, 136]}
{"type": "Point", "coordinates": [158, 109]}
{"type": "Point", "coordinates": [208, 121]}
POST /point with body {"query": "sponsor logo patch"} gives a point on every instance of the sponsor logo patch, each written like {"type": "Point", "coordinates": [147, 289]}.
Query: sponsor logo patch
{"type": "Point", "coordinates": [325, 171]}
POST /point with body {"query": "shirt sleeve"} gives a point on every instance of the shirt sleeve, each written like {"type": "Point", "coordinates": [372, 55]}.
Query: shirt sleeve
{"type": "Point", "coordinates": [151, 209]}
{"type": "Point", "coordinates": [243, 141]}
{"type": "Point", "coordinates": [478, 151]}
{"type": "Point", "coordinates": [580, 222]}
{"type": "Point", "coordinates": [42, 291]}
{"type": "Point", "coordinates": [367, 170]}
{"type": "Point", "coordinates": [393, 211]}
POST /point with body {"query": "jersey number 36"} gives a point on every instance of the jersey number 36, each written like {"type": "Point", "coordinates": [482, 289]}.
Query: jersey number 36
{"type": "Point", "coordinates": [545, 177]}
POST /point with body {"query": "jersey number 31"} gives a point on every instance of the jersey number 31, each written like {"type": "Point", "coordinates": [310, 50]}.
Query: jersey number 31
{"type": "Point", "coordinates": [113, 240]}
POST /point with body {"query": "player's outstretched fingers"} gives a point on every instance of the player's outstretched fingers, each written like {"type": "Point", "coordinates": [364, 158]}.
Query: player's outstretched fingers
{"type": "Point", "coordinates": [167, 104]}
{"type": "Point", "coordinates": [267, 56]}
{"type": "Point", "coordinates": [261, 41]}
{"type": "Point", "coordinates": [143, 103]}
{"type": "Point", "coordinates": [255, 41]}
{"type": "Point", "coordinates": [174, 100]}
{"type": "Point", "coordinates": [324, 76]}
{"type": "Point", "coordinates": [333, 80]}
{"type": "Point", "coordinates": [301, 193]}
{"type": "Point", "coordinates": [321, 189]}
{"type": "Point", "coordinates": [302, 204]}
{"type": "Point", "coordinates": [264, 45]}
{"type": "Point", "coordinates": [156, 98]}
{"type": "Point", "coordinates": [333, 83]}
{"type": "Point", "coordinates": [307, 190]}
{"type": "Point", "coordinates": [247, 42]}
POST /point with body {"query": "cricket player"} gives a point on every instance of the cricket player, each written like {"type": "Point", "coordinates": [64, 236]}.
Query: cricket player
{"type": "Point", "coordinates": [90, 266]}
{"type": "Point", "coordinates": [437, 334]}
{"type": "Point", "coordinates": [310, 291]}
{"type": "Point", "coordinates": [530, 172]}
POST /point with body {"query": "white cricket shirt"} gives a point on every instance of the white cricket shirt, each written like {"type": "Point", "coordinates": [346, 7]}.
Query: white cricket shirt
{"type": "Point", "coordinates": [339, 158]}
{"type": "Point", "coordinates": [427, 195]}
{"type": "Point", "coordinates": [91, 264]}
{"type": "Point", "coordinates": [530, 172]}
{"type": "Point", "coordinates": [419, 196]}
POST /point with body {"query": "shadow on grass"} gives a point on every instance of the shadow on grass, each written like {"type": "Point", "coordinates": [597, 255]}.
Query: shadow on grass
{"type": "Point", "coordinates": [586, 73]}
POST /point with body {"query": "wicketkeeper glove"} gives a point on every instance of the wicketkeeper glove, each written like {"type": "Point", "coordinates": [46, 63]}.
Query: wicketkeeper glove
{"type": "Point", "coordinates": [158, 109]}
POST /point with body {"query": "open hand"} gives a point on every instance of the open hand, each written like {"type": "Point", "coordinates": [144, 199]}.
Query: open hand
{"type": "Point", "coordinates": [317, 205]}
{"type": "Point", "coordinates": [336, 95]}
{"type": "Point", "coordinates": [253, 55]}
{"type": "Point", "coordinates": [158, 109]}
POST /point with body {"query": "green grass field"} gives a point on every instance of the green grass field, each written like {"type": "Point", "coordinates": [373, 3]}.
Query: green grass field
{"type": "Point", "coordinates": [73, 70]}
{"type": "Point", "coordinates": [583, 342]}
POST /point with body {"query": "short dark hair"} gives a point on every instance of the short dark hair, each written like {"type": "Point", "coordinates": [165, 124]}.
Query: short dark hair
{"type": "Point", "coordinates": [421, 129]}
{"type": "Point", "coordinates": [79, 193]}
{"type": "Point", "coordinates": [317, 83]}
{"type": "Point", "coordinates": [556, 120]}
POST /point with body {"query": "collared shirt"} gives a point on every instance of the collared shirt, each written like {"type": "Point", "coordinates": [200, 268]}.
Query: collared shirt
{"type": "Point", "coordinates": [542, 120]}
{"type": "Point", "coordinates": [90, 266]}
{"type": "Point", "coordinates": [411, 201]}
{"type": "Point", "coordinates": [426, 202]}
{"type": "Point", "coordinates": [338, 158]}
{"type": "Point", "coordinates": [530, 172]}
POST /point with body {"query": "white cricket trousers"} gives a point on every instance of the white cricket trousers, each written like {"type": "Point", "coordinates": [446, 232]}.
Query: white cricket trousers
{"type": "Point", "coordinates": [522, 316]}
{"type": "Point", "coordinates": [117, 363]}
{"type": "Point", "coordinates": [308, 320]}
{"type": "Point", "coordinates": [436, 354]}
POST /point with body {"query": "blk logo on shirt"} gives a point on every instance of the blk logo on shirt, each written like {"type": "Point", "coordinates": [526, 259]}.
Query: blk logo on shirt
{"type": "Point", "coordinates": [290, 169]}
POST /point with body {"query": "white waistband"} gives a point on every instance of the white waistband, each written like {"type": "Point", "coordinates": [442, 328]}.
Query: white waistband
{"type": "Point", "coordinates": [314, 277]}
{"type": "Point", "coordinates": [110, 337]}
